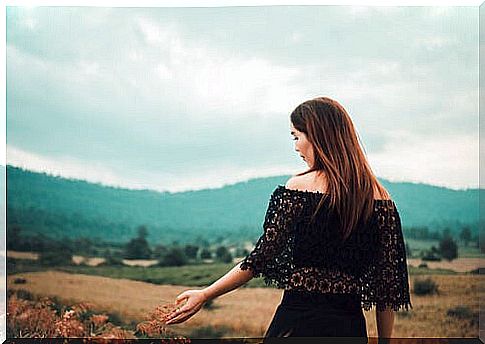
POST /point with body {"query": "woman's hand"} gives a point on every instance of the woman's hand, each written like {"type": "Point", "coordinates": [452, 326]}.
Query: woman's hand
{"type": "Point", "coordinates": [195, 301]}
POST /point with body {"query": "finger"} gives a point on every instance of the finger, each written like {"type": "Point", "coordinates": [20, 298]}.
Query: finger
{"type": "Point", "coordinates": [180, 298]}
{"type": "Point", "coordinates": [182, 295]}
{"type": "Point", "coordinates": [180, 312]}
{"type": "Point", "coordinates": [180, 318]}
{"type": "Point", "coordinates": [180, 309]}
{"type": "Point", "coordinates": [175, 319]}
{"type": "Point", "coordinates": [177, 314]}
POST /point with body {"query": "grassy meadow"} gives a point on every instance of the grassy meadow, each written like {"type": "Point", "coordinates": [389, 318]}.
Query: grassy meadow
{"type": "Point", "coordinates": [131, 292]}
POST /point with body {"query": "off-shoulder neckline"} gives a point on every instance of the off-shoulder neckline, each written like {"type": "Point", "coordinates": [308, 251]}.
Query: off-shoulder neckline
{"type": "Point", "coordinates": [303, 192]}
{"type": "Point", "coordinates": [319, 193]}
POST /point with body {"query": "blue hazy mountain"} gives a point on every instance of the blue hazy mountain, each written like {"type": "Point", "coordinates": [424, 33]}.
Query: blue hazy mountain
{"type": "Point", "coordinates": [56, 207]}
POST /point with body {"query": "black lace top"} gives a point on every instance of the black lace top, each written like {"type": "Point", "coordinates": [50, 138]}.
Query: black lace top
{"type": "Point", "coordinates": [292, 254]}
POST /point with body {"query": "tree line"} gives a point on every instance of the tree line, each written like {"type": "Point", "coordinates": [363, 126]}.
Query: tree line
{"type": "Point", "coordinates": [58, 252]}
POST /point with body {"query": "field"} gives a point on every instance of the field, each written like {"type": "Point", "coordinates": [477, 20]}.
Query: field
{"type": "Point", "coordinates": [456, 265]}
{"type": "Point", "coordinates": [241, 312]}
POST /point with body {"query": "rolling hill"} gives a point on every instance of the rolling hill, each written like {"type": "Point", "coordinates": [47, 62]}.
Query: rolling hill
{"type": "Point", "coordinates": [56, 206]}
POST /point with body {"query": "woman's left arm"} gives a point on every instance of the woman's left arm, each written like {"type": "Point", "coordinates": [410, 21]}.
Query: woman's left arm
{"type": "Point", "coordinates": [385, 323]}
{"type": "Point", "coordinates": [391, 280]}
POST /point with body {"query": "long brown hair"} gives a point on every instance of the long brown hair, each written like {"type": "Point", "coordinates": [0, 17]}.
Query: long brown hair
{"type": "Point", "coordinates": [339, 156]}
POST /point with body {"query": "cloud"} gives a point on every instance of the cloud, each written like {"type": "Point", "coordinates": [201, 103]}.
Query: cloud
{"type": "Point", "coordinates": [155, 91]}
{"type": "Point", "coordinates": [450, 161]}
{"type": "Point", "coordinates": [65, 166]}
{"type": "Point", "coordinates": [215, 81]}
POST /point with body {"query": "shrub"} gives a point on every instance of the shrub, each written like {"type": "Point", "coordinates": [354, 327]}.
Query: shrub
{"type": "Point", "coordinates": [448, 248]}
{"type": "Point", "coordinates": [21, 293]}
{"type": "Point", "coordinates": [112, 261]}
{"type": "Point", "coordinates": [477, 271]}
{"type": "Point", "coordinates": [205, 253]}
{"type": "Point", "coordinates": [209, 332]}
{"type": "Point", "coordinates": [191, 251]}
{"type": "Point", "coordinates": [460, 312]}
{"type": "Point", "coordinates": [137, 248]}
{"type": "Point", "coordinates": [57, 256]}
{"type": "Point", "coordinates": [19, 280]}
{"type": "Point", "coordinates": [175, 256]}
{"type": "Point", "coordinates": [431, 256]}
{"type": "Point", "coordinates": [223, 254]}
{"type": "Point", "coordinates": [425, 287]}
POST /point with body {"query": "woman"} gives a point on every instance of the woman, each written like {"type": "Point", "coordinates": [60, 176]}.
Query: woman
{"type": "Point", "coordinates": [332, 239]}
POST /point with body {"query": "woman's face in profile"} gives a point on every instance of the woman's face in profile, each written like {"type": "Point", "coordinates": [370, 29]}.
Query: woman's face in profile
{"type": "Point", "coordinates": [302, 145]}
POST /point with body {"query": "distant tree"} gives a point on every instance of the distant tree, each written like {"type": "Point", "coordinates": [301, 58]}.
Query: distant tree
{"type": "Point", "coordinates": [205, 253]}
{"type": "Point", "coordinates": [223, 254]}
{"type": "Point", "coordinates": [14, 238]}
{"type": "Point", "coordinates": [191, 251]}
{"type": "Point", "coordinates": [418, 232]}
{"type": "Point", "coordinates": [434, 235]}
{"type": "Point", "coordinates": [201, 241]}
{"type": "Point", "coordinates": [59, 254]}
{"type": "Point", "coordinates": [138, 248]}
{"type": "Point", "coordinates": [142, 232]}
{"type": "Point", "coordinates": [159, 251]}
{"type": "Point", "coordinates": [68, 242]}
{"type": "Point", "coordinates": [40, 243]}
{"type": "Point", "coordinates": [448, 248]}
{"type": "Point", "coordinates": [481, 236]}
{"type": "Point", "coordinates": [466, 235]}
{"type": "Point", "coordinates": [111, 259]}
{"type": "Point", "coordinates": [241, 252]}
{"type": "Point", "coordinates": [446, 233]}
{"type": "Point", "coordinates": [84, 246]}
{"type": "Point", "coordinates": [434, 249]}
{"type": "Point", "coordinates": [175, 256]}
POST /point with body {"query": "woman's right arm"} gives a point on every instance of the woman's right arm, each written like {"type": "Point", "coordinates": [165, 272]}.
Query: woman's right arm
{"type": "Point", "coordinates": [230, 281]}
{"type": "Point", "coordinates": [198, 297]}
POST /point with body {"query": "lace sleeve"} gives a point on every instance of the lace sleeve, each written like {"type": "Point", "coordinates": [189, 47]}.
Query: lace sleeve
{"type": "Point", "coordinates": [272, 254]}
{"type": "Point", "coordinates": [389, 279]}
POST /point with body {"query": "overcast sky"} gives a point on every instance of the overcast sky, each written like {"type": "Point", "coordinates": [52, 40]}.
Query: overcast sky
{"type": "Point", "coordinates": [189, 98]}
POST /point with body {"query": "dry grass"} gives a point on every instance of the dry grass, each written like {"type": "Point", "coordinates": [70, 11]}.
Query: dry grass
{"type": "Point", "coordinates": [30, 316]}
{"type": "Point", "coordinates": [22, 255]}
{"type": "Point", "coordinates": [133, 300]}
{"type": "Point", "coordinates": [458, 265]}
{"type": "Point", "coordinates": [91, 261]}
{"type": "Point", "coordinates": [243, 311]}
{"type": "Point", "coordinates": [140, 262]}
{"type": "Point", "coordinates": [39, 318]}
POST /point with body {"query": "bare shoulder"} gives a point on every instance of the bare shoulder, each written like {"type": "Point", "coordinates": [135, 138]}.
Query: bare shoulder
{"type": "Point", "coordinates": [306, 182]}
{"type": "Point", "coordinates": [293, 183]}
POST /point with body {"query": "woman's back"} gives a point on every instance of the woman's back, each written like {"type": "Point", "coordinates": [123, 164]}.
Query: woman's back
{"type": "Point", "coordinates": [331, 238]}
{"type": "Point", "coordinates": [294, 254]}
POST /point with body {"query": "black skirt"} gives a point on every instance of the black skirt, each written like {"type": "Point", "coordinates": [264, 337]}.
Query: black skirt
{"type": "Point", "coordinates": [312, 314]}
